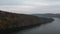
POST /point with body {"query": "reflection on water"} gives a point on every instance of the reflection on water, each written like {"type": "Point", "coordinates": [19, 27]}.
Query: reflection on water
{"type": "Point", "coordinates": [50, 28]}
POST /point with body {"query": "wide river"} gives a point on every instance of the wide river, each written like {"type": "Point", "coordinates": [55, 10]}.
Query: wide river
{"type": "Point", "coordinates": [50, 28]}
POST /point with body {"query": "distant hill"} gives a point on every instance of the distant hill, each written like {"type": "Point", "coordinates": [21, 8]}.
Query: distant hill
{"type": "Point", "coordinates": [47, 15]}
{"type": "Point", "coordinates": [13, 21]}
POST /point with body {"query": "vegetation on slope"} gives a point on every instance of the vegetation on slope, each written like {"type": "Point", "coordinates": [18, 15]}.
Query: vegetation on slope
{"type": "Point", "coordinates": [10, 20]}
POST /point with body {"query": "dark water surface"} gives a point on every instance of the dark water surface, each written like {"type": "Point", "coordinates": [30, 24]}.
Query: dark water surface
{"type": "Point", "coordinates": [50, 28]}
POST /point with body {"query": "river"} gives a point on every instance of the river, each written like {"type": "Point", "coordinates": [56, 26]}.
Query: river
{"type": "Point", "coordinates": [50, 28]}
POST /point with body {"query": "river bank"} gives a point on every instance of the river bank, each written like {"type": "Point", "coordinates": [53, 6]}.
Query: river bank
{"type": "Point", "coordinates": [49, 28]}
{"type": "Point", "coordinates": [11, 22]}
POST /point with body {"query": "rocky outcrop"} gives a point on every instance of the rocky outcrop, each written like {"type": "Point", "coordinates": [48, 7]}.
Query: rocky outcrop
{"type": "Point", "coordinates": [12, 21]}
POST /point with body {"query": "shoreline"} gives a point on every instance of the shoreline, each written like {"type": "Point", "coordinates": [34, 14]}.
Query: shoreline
{"type": "Point", "coordinates": [11, 22]}
{"type": "Point", "coordinates": [17, 29]}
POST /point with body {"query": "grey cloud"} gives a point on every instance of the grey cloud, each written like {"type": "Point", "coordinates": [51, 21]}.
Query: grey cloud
{"type": "Point", "coordinates": [9, 2]}
{"type": "Point", "coordinates": [45, 7]}
{"type": "Point", "coordinates": [17, 2]}
{"type": "Point", "coordinates": [53, 0]}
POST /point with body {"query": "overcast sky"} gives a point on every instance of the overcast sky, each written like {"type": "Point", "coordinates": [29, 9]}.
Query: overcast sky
{"type": "Point", "coordinates": [30, 6]}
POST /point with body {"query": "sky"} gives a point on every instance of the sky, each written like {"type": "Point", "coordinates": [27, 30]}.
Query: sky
{"type": "Point", "coordinates": [30, 6]}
